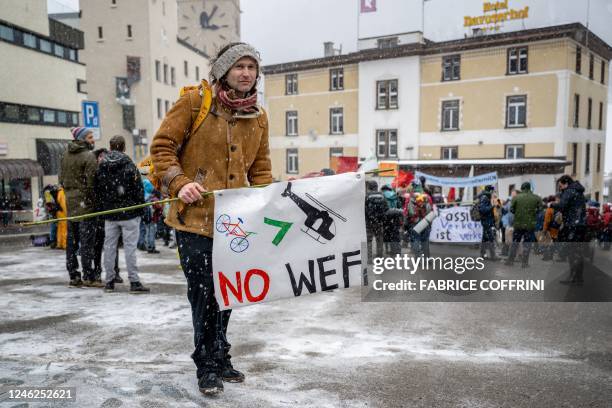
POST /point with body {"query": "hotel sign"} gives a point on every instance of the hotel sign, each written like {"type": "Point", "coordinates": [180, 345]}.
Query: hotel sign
{"type": "Point", "coordinates": [494, 14]}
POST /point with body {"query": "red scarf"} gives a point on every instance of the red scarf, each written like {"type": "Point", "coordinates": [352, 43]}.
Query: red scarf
{"type": "Point", "coordinates": [230, 100]}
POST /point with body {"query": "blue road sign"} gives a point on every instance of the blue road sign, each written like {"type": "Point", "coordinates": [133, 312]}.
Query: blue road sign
{"type": "Point", "coordinates": [91, 117]}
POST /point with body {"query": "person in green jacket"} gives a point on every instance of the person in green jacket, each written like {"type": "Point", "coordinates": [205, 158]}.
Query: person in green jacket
{"type": "Point", "coordinates": [78, 169]}
{"type": "Point", "coordinates": [525, 207]}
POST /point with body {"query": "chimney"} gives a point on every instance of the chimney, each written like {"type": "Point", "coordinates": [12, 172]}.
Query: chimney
{"type": "Point", "coordinates": [328, 49]}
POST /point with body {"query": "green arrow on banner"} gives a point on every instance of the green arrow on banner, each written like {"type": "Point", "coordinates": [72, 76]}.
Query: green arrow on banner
{"type": "Point", "coordinates": [284, 228]}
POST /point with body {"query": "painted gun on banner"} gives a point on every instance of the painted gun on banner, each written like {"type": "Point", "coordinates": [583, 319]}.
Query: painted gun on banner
{"type": "Point", "coordinates": [293, 238]}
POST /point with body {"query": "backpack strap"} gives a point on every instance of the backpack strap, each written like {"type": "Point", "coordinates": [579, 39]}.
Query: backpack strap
{"type": "Point", "coordinates": [201, 98]}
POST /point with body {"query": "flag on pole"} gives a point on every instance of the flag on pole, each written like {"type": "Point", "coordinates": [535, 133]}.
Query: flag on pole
{"type": "Point", "coordinates": [368, 6]}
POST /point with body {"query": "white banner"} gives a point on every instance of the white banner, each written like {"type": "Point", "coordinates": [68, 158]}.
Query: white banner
{"type": "Point", "coordinates": [454, 224]}
{"type": "Point", "coordinates": [481, 180]}
{"type": "Point", "coordinates": [288, 239]}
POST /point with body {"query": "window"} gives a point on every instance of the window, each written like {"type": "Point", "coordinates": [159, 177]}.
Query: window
{"type": "Point", "coordinates": [100, 33]}
{"type": "Point", "coordinates": [451, 67]}
{"type": "Point", "coordinates": [114, 2]}
{"type": "Point", "coordinates": [386, 143]}
{"type": "Point", "coordinates": [291, 123]}
{"type": "Point", "coordinates": [197, 74]}
{"type": "Point", "coordinates": [450, 115]}
{"type": "Point", "coordinates": [81, 86]}
{"type": "Point", "coordinates": [62, 117]}
{"type": "Point", "coordinates": [159, 108]}
{"type": "Point", "coordinates": [72, 54]}
{"type": "Point", "coordinates": [11, 113]}
{"type": "Point", "coordinates": [158, 71]}
{"type": "Point", "coordinates": [386, 92]}
{"type": "Point", "coordinates": [336, 121]}
{"type": "Point", "coordinates": [7, 33]}
{"type": "Point", "coordinates": [600, 127]}
{"type": "Point", "coordinates": [166, 106]}
{"type": "Point", "coordinates": [589, 112]}
{"type": "Point", "coordinates": [591, 66]}
{"type": "Point", "coordinates": [603, 72]}
{"type": "Point", "coordinates": [291, 84]}
{"type": "Point", "coordinates": [336, 152]}
{"type": "Point", "coordinates": [292, 161]}
{"type": "Point", "coordinates": [574, 158]}
{"type": "Point", "coordinates": [129, 31]}
{"type": "Point", "coordinates": [578, 61]}
{"type": "Point", "coordinates": [29, 40]}
{"type": "Point", "coordinates": [576, 111]}
{"type": "Point", "coordinates": [387, 42]}
{"type": "Point", "coordinates": [165, 73]}
{"type": "Point", "coordinates": [517, 60]}
{"type": "Point", "coordinates": [449, 152]}
{"type": "Point", "coordinates": [598, 159]}
{"type": "Point", "coordinates": [45, 46]}
{"type": "Point", "coordinates": [587, 158]}
{"type": "Point", "coordinates": [48, 116]}
{"type": "Point", "coordinates": [59, 51]}
{"type": "Point", "coordinates": [336, 79]}
{"type": "Point", "coordinates": [516, 111]}
{"type": "Point", "coordinates": [172, 76]}
{"type": "Point", "coordinates": [186, 68]}
{"type": "Point", "coordinates": [515, 151]}
{"type": "Point", "coordinates": [33, 115]}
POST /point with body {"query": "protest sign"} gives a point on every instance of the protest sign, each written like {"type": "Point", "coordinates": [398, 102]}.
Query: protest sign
{"type": "Point", "coordinates": [454, 224]}
{"type": "Point", "coordinates": [474, 181]}
{"type": "Point", "coordinates": [288, 239]}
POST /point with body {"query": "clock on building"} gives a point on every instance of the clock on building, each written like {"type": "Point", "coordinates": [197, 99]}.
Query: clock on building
{"type": "Point", "coordinates": [208, 24]}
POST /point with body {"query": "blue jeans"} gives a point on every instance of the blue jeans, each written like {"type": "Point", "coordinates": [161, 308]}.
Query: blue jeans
{"type": "Point", "coordinates": [53, 233]}
{"type": "Point", "coordinates": [150, 232]}
{"type": "Point", "coordinates": [142, 234]}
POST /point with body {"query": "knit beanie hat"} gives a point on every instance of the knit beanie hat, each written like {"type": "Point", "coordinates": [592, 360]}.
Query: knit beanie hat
{"type": "Point", "coordinates": [79, 133]}
{"type": "Point", "coordinates": [225, 61]}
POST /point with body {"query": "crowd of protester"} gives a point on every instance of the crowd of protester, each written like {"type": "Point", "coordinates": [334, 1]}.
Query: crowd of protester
{"type": "Point", "coordinates": [558, 227]}
{"type": "Point", "coordinates": [97, 181]}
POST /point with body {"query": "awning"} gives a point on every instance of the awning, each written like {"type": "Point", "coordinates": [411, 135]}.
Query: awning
{"type": "Point", "coordinates": [49, 153]}
{"type": "Point", "coordinates": [19, 168]}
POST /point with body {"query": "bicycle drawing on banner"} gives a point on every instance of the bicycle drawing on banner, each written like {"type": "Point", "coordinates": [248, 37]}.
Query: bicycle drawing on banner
{"type": "Point", "coordinates": [224, 225]}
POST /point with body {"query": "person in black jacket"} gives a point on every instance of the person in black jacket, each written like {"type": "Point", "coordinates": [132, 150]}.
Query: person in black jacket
{"type": "Point", "coordinates": [487, 220]}
{"type": "Point", "coordinates": [375, 209]}
{"type": "Point", "coordinates": [117, 185]}
{"type": "Point", "coordinates": [572, 205]}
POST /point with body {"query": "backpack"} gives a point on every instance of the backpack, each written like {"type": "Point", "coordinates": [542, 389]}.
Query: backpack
{"type": "Point", "coordinates": [475, 211]}
{"type": "Point", "coordinates": [375, 208]}
{"type": "Point", "coordinates": [206, 94]}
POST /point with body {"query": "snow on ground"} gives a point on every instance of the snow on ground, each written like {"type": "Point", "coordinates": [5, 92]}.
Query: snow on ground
{"type": "Point", "coordinates": [324, 350]}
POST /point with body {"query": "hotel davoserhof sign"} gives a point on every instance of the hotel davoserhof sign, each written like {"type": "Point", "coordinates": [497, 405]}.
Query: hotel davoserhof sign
{"type": "Point", "coordinates": [495, 12]}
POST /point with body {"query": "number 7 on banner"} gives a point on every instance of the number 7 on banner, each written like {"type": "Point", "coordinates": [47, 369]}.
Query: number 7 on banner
{"type": "Point", "coordinates": [284, 228]}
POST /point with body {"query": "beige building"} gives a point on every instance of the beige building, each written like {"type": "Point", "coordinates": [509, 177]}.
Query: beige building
{"type": "Point", "coordinates": [532, 94]}
{"type": "Point", "coordinates": [312, 106]}
{"type": "Point", "coordinates": [141, 52]}
{"type": "Point", "coordinates": [528, 104]}
{"type": "Point", "coordinates": [41, 69]}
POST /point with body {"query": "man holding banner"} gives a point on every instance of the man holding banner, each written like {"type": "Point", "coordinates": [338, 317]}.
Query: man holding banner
{"type": "Point", "coordinates": [229, 150]}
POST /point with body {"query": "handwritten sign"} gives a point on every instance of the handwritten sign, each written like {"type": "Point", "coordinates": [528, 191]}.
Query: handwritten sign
{"type": "Point", "coordinates": [454, 224]}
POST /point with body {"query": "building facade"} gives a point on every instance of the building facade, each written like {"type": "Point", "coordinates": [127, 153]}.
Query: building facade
{"type": "Point", "coordinates": [141, 52]}
{"type": "Point", "coordinates": [40, 101]}
{"type": "Point", "coordinates": [529, 104]}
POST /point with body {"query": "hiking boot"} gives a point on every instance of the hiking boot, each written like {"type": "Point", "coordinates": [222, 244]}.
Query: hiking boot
{"type": "Point", "coordinates": [109, 287]}
{"type": "Point", "coordinates": [210, 384]}
{"type": "Point", "coordinates": [93, 283]}
{"type": "Point", "coordinates": [153, 251]}
{"type": "Point", "coordinates": [118, 279]}
{"type": "Point", "coordinates": [75, 283]}
{"type": "Point", "coordinates": [231, 375]}
{"type": "Point", "coordinates": [136, 287]}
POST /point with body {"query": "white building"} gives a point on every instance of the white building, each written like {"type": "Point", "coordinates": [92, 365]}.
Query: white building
{"type": "Point", "coordinates": [39, 101]}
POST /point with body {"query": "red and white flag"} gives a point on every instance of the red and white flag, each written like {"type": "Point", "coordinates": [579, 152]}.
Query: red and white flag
{"type": "Point", "coordinates": [368, 6]}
